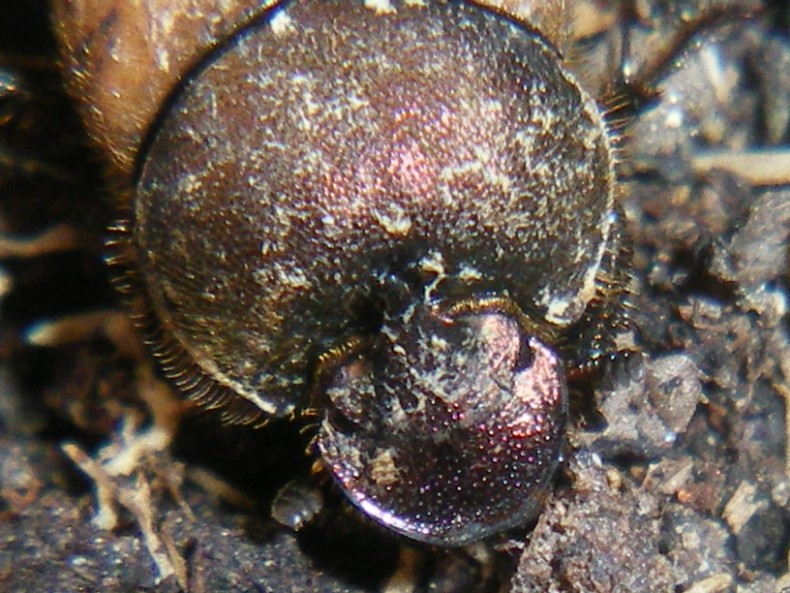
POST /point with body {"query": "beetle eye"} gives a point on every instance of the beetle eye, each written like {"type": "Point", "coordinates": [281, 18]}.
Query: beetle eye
{"type": "Point", "coordinates": [349, 395]}
{"type": "Point", "coordinates": [447, 430]}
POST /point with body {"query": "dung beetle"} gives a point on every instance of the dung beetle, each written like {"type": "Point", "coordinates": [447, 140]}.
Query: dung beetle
{"type": "Point", "coordinates": [395, 216]}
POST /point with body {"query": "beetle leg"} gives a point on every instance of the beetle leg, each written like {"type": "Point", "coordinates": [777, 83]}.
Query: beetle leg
{"type": "Point", "coordinates": [605, 330]}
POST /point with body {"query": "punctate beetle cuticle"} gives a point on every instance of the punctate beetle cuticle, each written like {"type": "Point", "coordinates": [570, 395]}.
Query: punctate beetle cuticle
{"type": "Point", "coordinates": [400, 214]}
